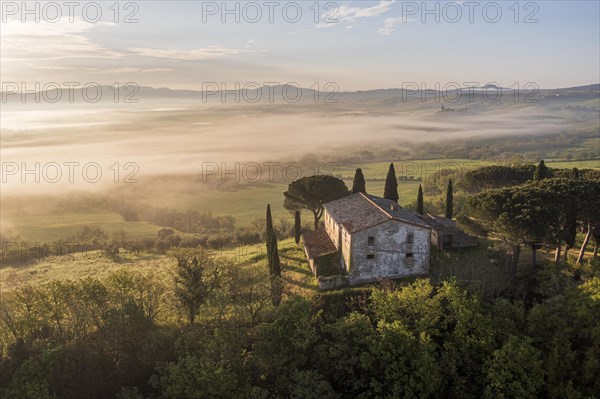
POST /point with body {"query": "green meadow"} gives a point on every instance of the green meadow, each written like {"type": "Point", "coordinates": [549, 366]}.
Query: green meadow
{"type": "Point", "coordinates": [95, 264]}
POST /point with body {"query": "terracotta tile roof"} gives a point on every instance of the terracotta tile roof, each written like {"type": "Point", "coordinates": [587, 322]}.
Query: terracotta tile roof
{"type": "Point", "coordinates": [318, 243]}
{"type": "Point", "coordinates": [360, 211]}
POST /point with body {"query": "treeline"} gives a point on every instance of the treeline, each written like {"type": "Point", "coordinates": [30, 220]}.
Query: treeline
{"type": "Point", "coordinates": [547, 212]}
{"type": "Point", "coordinates": [489, 177]}
{"type": "Point", "coordinates": [535, 206]}
{"type": "Point", "coordinates": [565, 146]}
{"type": "Point", "coordinates": [93, 238]}
{"type": "Point", "coordinates": [496, 176]}
{"type": "Point", "coordinates": [212, 331]}
{"type": "Point", "coordinates": [84, 240]}
{"type": "Point", "coordinates": [187, 221]}
{"type": "Point", "coordinates": [254, 233]}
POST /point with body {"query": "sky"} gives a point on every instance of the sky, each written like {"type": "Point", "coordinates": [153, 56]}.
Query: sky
{"type": "Point", "coordinates": [357, 45]}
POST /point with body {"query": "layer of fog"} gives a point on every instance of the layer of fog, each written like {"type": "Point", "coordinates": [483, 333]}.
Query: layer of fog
{"type": "Point", "coordinates": [182, 137]}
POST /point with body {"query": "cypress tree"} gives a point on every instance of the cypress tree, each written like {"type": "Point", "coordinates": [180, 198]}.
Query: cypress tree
{"type": "Point", "coordinates": [275, 270]}
{"type": "Point", "coordinates": [420, 201]}
{"type": "Point", "coordinates": [272, 251]}
{"type": "Point", "coordinates": [391, 185]}
{"type": "Point", "coordinates": [270, 233]}
{"type": "Point", "coordinates": [449, 198]}
{"type": "Point", "coordinates": [297, 226]}
{"type": "Point", "coordinates": [359, 185]}
{"type": "Point", "coordinates": [274, 262]}
{"type": "Point", "coordinates": [541, 171]}
{"type": "Point", "coordinates": [276, 290]}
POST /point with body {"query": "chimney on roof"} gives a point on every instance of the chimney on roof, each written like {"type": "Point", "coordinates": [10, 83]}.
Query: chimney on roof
{"type": "Point", "coordinates": [393, 206]}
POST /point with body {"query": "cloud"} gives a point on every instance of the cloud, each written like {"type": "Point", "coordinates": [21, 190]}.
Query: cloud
{"type": "Point", "coordinates": [57, 40]}
{"type": "Point", "coordinates": [346, 14]}
{"type": "Point", "coordinates": [350, 14]}
{"type": "Point", "coordinates": [389, 25]}
{"type": "Point", "coordinates": [59, 68]}
{"type": "Point", "coordinates": [103, 71]}
{"type": "Point", "coordinates": [135, 70]}
{"type": "Point", "coordinates": [206, 53]}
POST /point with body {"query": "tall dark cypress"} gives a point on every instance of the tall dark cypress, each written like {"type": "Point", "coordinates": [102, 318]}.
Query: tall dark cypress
{"type": "Point", "coordinates": [420, 200]}
{"type": "Point", "coordinates": [449, 197]}
{"type": "Point", "coordinates": [359, 185]}
{"type": "Point", "coordinates": [272, 251]}
{"type": "Point", "coordinates": [270, 233]}
{"type": "Point", "coordinates": [391, 185]}
{"type": "Point", "coordinates": [275, 264]}
{"type": "Point", "coordinates": [541, 171]}
{"type": "Point", "coordinates": [297, 226]}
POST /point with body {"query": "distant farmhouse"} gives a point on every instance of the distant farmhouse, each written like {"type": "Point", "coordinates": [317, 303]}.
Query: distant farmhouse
{"type": "Point", "coordinates": [448, 109]}
{"type": "Point", "coordinates": [367, 238]}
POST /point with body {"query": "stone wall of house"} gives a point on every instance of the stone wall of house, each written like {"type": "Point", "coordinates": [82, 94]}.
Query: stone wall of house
{"type": "Point", "coordinates": [389, 252]}
{"type": "Point", "coordinates": [346, 250]}
{"type": "Point", "coordinates": [332, 229]}
{"type": "Point", "coordinates": [340, 238]}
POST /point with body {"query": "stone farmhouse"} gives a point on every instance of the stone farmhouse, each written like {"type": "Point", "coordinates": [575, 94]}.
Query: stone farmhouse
{"type": "Point", "coordinates": [368, 238]}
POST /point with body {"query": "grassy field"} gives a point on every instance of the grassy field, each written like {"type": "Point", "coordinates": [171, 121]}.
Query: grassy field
{"type": "Point", "coordinates": [45, 228]}
{"type": "Point", "coordinates": [296, 272]}
{"type": "Point", "coordinates": [592, 164]}
{"type": "Point", "coordinates": [51, 221]}
{"type": "Point", "coordinates": [80, 265]}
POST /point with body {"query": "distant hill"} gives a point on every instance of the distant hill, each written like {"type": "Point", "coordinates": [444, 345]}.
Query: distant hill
{"type": "Point", "coordinates": [281, 94]}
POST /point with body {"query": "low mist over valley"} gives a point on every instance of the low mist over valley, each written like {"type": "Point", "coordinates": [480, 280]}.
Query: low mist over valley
{"type": "Point", "coordinates": [186, 149]}
{"type": "Point", "coordinates": [176, 134]}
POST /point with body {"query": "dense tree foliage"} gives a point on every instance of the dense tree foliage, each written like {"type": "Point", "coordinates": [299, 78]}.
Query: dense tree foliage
{"type": "Point", "coordinates": [112, 338]}
{"type": "Point", "coordinates": [515, 371]}
{"type": "Point", "coordinates": [538, 213]}
{"type": "Point", "coordinates": [311, 192]}
{"type": "Point", "coordinates": [196, 275]}
{"type": "Point", "coordinates": [497, 176]}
